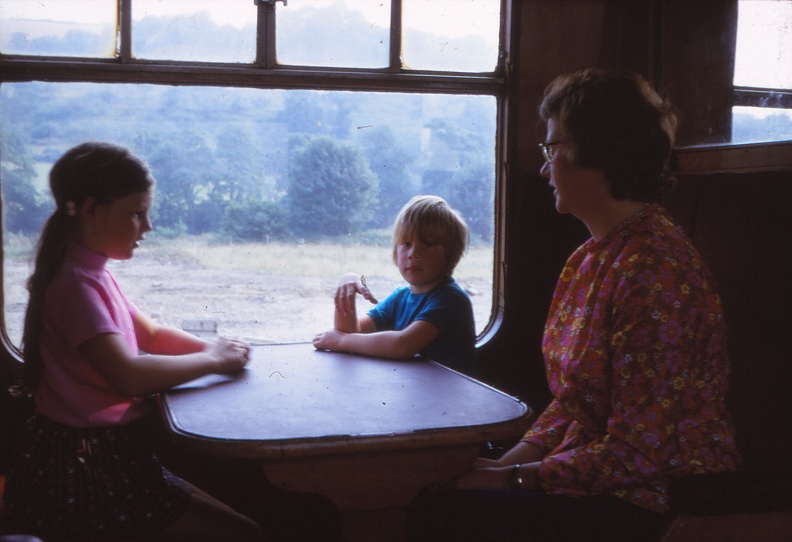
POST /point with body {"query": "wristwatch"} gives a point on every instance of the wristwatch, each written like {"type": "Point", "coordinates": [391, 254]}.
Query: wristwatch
{"type": "Point", "coordinates": [515, 478]}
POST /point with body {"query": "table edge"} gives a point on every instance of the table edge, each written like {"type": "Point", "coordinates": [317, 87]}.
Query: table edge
{"type": "Point", "coordinates": [346, 444]}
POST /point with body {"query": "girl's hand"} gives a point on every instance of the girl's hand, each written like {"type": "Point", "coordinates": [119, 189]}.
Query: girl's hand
{"type": "Point", "coordinates": [231, 354]}
{"type": "Point", "coordinates": [348, 287]}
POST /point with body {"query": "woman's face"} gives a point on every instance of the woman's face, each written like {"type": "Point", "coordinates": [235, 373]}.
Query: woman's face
{"type": "Point", "coordinates": [575, 188]}
{"type": "Point", "coordinates": [559, 171]}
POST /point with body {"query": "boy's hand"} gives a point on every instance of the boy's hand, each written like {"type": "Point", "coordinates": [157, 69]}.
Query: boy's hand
{"type": "Point", "coordinates": [349, 286]}
{"type": "Point", "coordinates": [328, 340]}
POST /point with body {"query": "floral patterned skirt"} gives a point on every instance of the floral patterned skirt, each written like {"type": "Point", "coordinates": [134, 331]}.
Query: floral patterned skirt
{"type": "Point", "coordinates": [92, 480]}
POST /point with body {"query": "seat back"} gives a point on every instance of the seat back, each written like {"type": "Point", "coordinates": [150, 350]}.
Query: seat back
{"type": "Point", "coordinates": [741, 222]}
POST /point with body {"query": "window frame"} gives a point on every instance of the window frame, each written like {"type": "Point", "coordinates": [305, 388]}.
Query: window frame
{"type": "Point", "coordinates": [762, 97]}
{"type": "Point", "coordinates": [266, 73]}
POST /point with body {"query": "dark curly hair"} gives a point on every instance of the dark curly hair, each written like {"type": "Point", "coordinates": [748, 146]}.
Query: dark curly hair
{"type": "Point", "coordinates": [615, 121]}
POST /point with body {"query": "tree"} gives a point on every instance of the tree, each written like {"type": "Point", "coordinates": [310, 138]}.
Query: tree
{"type": "Point", "coordinates": [183, 165]}
{"type": "Point", "coordinates": [472, 193]}
{"type": "Point", "coordinates": [332, 191]}
{"type": "Point", "coordinates": [391, 162]}
{"type": "Point", "coordinates": [255, 221]}
{"type": "Point", "coordinates": [463, 172]}
{"type": "Point", "coordinates": [22, 208]}
{"type": "Point", "coordinates": [239, 166]}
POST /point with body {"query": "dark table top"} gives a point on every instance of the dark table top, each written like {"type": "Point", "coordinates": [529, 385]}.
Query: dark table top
{"type": "Point", "coordinates": [292, 401]}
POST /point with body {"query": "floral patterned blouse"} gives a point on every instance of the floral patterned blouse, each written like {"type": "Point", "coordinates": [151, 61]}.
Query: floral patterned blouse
{"type": "Point", "coordinates": [636, 359]}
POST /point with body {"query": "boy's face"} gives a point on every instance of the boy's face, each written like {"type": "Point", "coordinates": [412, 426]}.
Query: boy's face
{"type": "Point", "coordinates": [421, 262]}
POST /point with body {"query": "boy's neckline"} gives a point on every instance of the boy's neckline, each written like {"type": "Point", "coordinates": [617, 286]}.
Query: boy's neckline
{"type": "Point", "coordinates": [446, 279]}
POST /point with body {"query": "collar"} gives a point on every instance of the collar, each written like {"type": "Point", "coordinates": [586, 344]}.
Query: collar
{"type": "Point", "coordinates": [85, 257]}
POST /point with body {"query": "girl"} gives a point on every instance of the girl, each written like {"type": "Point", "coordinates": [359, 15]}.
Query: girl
{"type": "Point", "coordinates": [89, 468]}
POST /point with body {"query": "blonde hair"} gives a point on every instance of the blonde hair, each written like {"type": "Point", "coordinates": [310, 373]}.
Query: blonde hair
{"type": "Point", "coordinates": [431, 217]}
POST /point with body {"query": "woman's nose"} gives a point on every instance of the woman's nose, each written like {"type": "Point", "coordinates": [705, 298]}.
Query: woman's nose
{"type": "Point", "coordinates": [544, 171]}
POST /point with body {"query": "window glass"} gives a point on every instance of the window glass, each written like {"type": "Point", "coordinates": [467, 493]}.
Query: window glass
{"type": "Point", "coordinates": [764, 44]}
{"type": "Point", "coordinates": [763, 60]}
{"type": "Point", "coordinates": [754, 124]}
{"type": "Point", "coordinates": [194, 30]}
{"type": "Point", "coordinates": [449, 35]}
{"type": "Point", "coordinates": [82, 28]}
{"type": "Point", "coordinates": [264, 197]}
{"type": "Point", "coordinates": [341, 33]}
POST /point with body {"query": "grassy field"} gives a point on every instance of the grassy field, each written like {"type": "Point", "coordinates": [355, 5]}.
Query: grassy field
{"type": "Point", "coordinates": [261, 292]}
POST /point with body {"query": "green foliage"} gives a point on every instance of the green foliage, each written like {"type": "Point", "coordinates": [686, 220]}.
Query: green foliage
{"type": "Point", "coordinates": [391, 162]}
{"type": "Point", "coordinates": [472, 193]}
{"type": "Point", "coordinates": [332, 191]}
{"type": "Point", "coordinates": [213, 147]}
{"type": "Point", "coordinates": [23, 211]}
{"type": "Point", "coordinates": [261, 221]}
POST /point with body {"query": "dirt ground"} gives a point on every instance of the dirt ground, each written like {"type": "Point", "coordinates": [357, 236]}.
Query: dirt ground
{"type": "Point", "coordinates": [256, 306]}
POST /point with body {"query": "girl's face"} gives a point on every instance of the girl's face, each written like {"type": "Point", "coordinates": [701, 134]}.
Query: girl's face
{"type": "Point", "coordinates": [421, 262]}
{"type": "Point", "coordinates": [115, 229]}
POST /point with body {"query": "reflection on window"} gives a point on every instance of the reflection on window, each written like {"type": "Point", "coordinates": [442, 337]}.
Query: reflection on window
{"type": "Point", "coordinates": [348, 33]}
{"type": "Point", "coordinates": [61, 28]}
{"type": "Point", "coordinates": [449, 35]}
{"type": "Point", "coordinates": [764, 61]}
{"type": "Point", "coordinates": [194, 30]}
{"type": "Point", "coordinates": [264, 197]}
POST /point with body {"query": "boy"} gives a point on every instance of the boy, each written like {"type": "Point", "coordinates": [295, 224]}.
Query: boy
{"type": "Point", "coordinates": [432, 316]}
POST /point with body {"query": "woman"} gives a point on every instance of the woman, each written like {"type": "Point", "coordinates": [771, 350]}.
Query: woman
{"type": "Point", "coordinates": [634, 345]}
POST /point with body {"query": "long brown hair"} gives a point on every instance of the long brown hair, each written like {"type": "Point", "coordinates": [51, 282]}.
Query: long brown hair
{"type": "Point", "coordinates": [90, 170]}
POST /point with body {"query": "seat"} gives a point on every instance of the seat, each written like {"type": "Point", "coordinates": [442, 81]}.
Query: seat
{"type": "Point", "coordinates": [741, 222]}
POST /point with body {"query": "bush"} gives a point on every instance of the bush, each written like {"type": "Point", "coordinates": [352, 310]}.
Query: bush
{"type": "Point", "coordinates": [261, 221]}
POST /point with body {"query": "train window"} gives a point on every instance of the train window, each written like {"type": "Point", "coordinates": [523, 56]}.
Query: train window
{"type": "Point", "coordinates": [194, 30]}
{"type": "Point", "coordinates": [270, 185]}
{"type": "Point", "coordinates": [329, 20]}
{"type": "Point", "coordinates": [463, 42]}
{"type": "Point", "coordinates": [63, 28]}
{"type": "Point", "coordinates": [762, 75]}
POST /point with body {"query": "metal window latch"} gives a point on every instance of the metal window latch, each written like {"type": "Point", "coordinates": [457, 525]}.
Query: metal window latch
{"type": "Point", "coordinates": [270, 2]}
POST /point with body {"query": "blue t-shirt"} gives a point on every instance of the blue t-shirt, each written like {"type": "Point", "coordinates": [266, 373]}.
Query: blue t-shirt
{"type": "Point", "coordinates": [448, 308]}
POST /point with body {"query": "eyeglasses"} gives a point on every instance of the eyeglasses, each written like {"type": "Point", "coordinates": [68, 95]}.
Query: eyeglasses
{"type": "Point", "coordinates": [547, 150]}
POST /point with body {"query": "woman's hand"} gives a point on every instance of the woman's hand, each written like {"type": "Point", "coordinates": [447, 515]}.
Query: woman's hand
{"type": "Point", "coordinates": [348, 287]}
{"type": "Point", "coordinates": [494, 474]}
{"type": "Point", "coordinates": [231, 354]}
{"type": "Point", "coordinates": [489, 477]}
